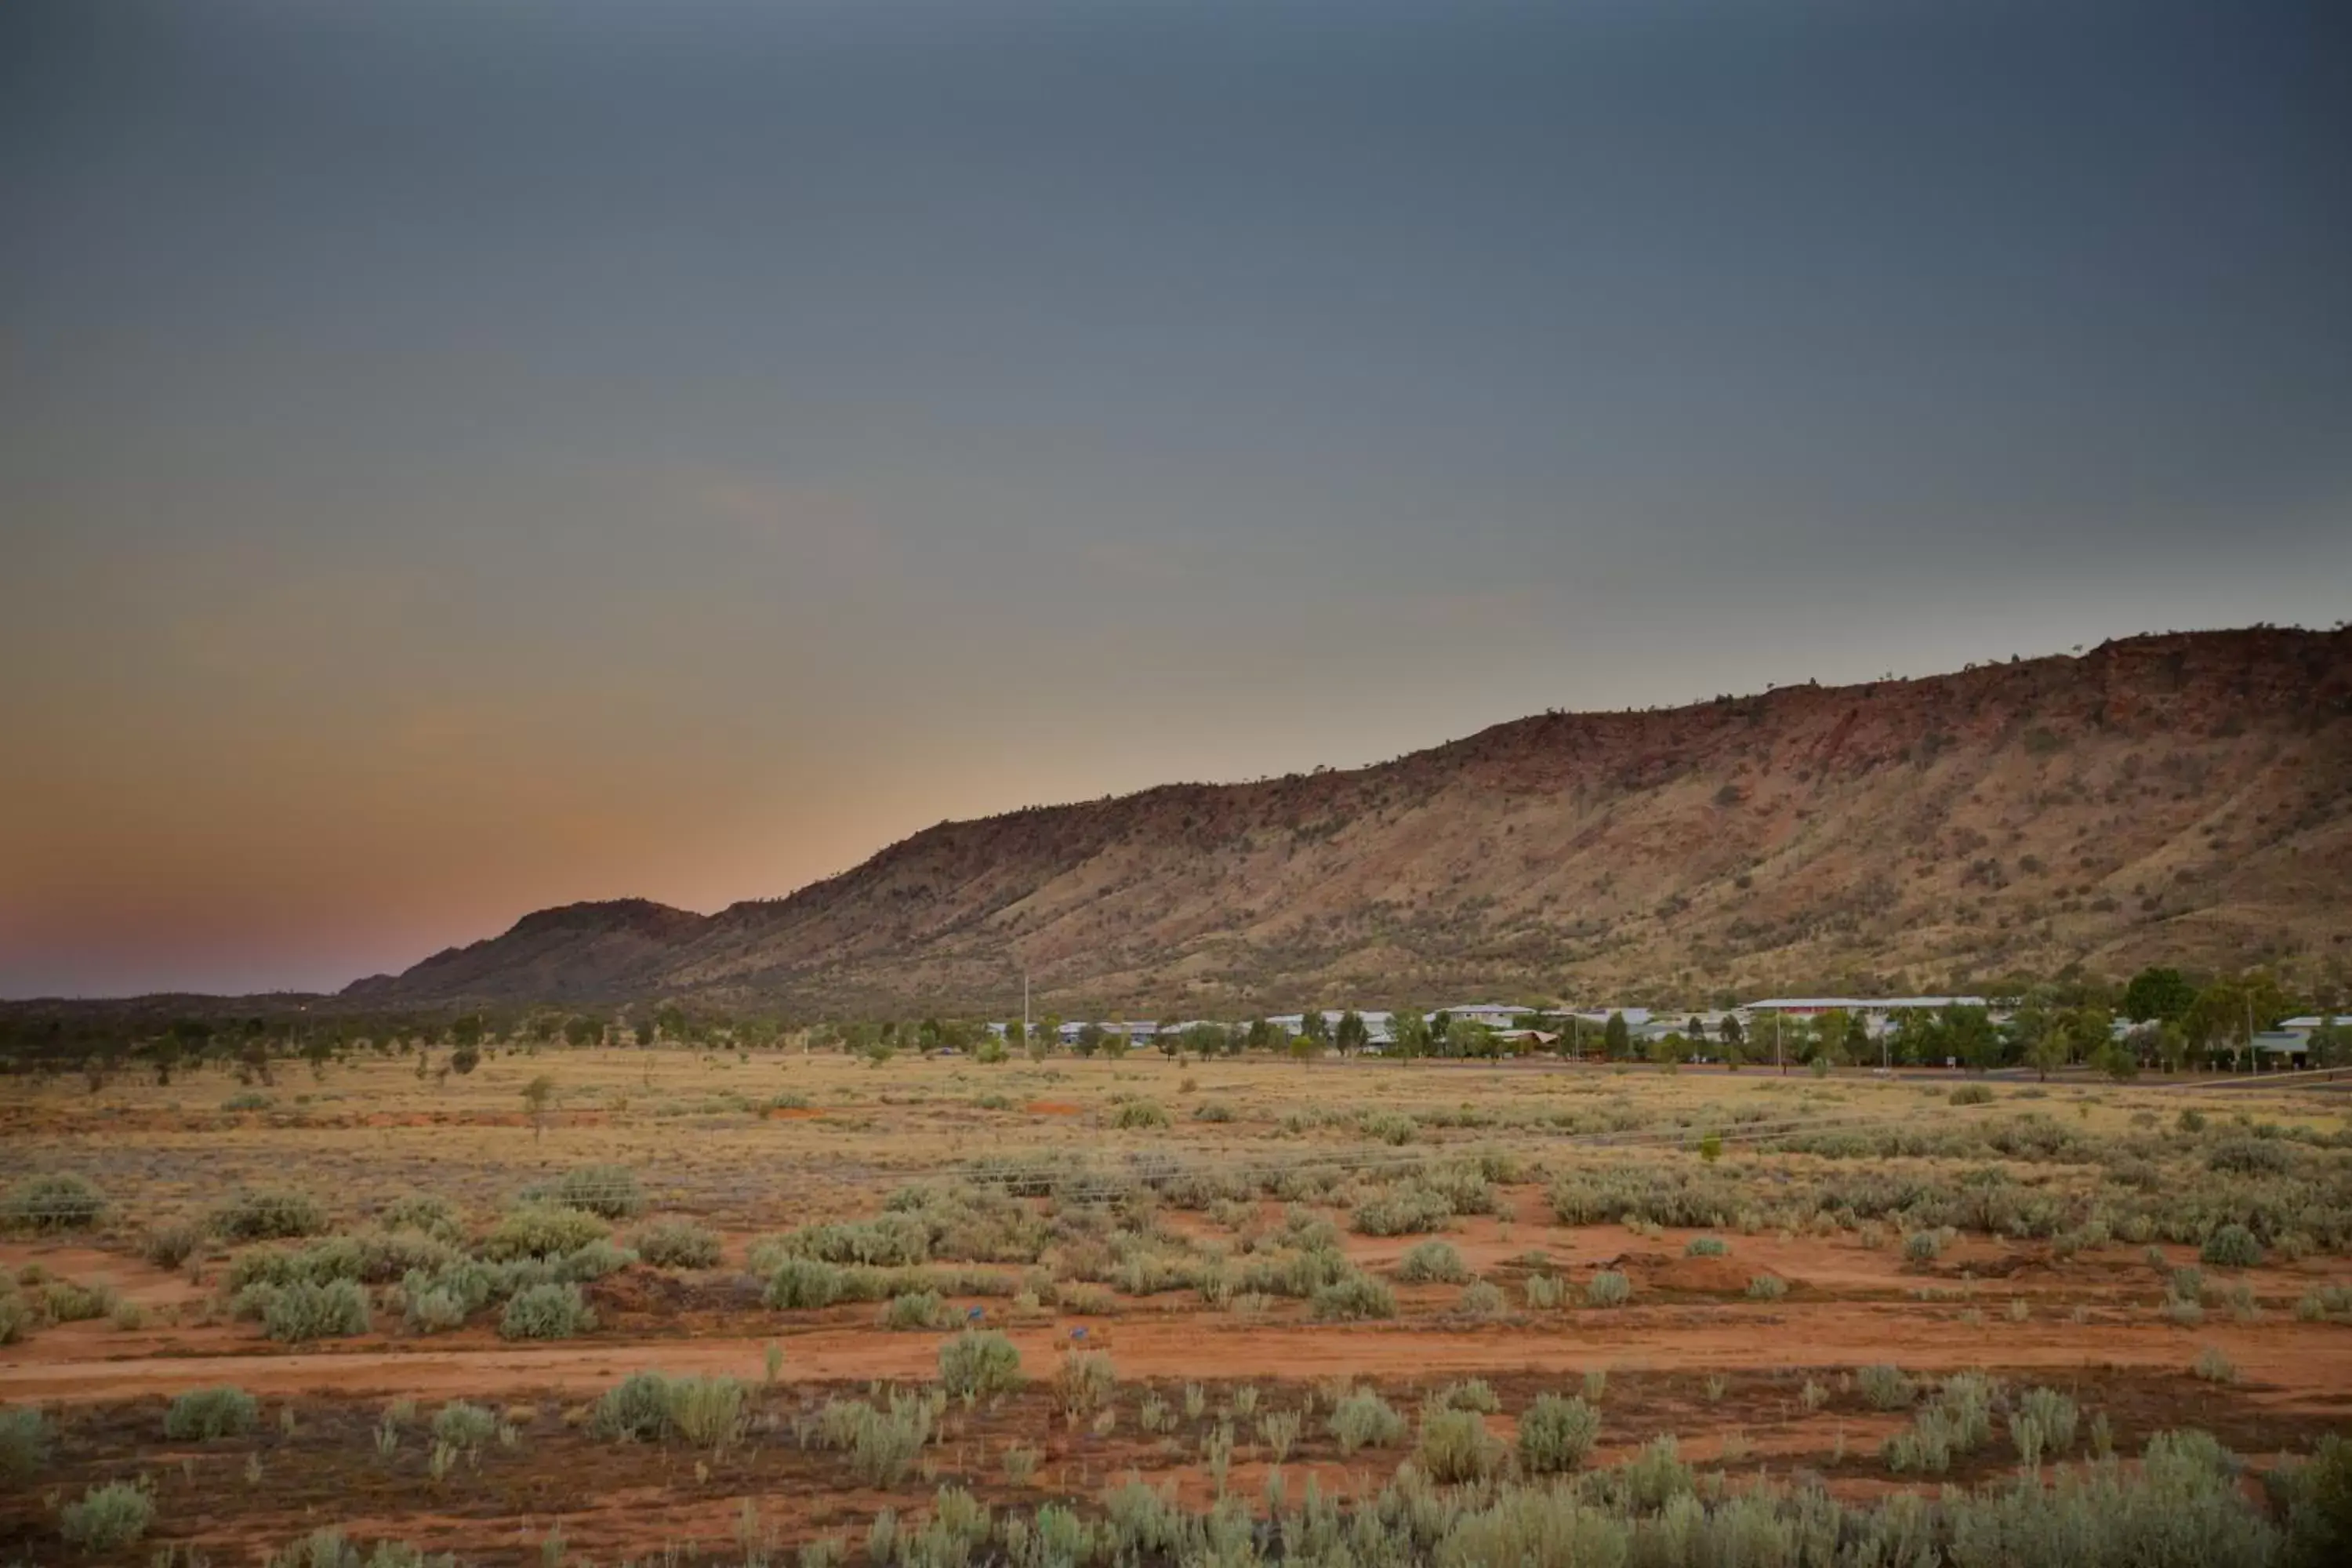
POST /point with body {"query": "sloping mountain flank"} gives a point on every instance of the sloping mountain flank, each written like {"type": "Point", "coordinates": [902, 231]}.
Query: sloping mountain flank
{"type": "Point", "coordinates": [2183, 798]}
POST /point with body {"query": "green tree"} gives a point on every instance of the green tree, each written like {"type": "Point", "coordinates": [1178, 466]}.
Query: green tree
{"type": "Point", "coordinates": [1617, 1037]}
{"type": "Point", "coordinates": [1090, 1039]}
{"type": "Point", "coordinates": [466, 1030]}
{"type": "Point", "coordinates": [538, 1096]}
{"type": "Point", "coordinates": [1968, 1034]}
{"type": "Point", "coordinates": [1315, 1026]}
{"type": "Point", "coordinates": [2159, 996]}
{"type": "Point", "coordinates": [1409, 1032]}
{"type": "Point", "coordinates": [1353, 1034]}
{"type": "Point", "coordinates": [1468, 1037]}
{"type": "Point", "coordinates": [2046, 1052]}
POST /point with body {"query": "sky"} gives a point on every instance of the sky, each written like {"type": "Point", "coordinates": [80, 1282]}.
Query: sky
{"type": "Point", "coordinates": [456, 459]}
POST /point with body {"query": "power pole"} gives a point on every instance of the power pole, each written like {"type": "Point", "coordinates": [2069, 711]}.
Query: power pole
{"type": "Point", "coordinates": [1025, 1004]}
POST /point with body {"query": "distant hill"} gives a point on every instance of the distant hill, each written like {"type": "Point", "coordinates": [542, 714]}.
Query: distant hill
{"type": "Point", "coordinates": [2178, 798]}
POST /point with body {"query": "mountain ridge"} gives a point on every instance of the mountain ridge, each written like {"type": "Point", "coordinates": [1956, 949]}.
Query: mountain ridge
{"type": "Point", "coordinates": [2175, 796]}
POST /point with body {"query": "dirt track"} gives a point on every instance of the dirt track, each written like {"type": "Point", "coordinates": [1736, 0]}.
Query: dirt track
{"type": "Point", "coordinates": [2294, 1365]}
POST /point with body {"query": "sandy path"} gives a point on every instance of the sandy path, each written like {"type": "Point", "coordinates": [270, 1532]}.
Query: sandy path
{"type": "Point", "coordinates": [2305, 1366]}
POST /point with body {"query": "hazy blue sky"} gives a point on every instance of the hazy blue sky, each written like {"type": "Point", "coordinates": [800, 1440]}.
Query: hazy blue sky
{"type": "Point", "coordinates": [460, 458]}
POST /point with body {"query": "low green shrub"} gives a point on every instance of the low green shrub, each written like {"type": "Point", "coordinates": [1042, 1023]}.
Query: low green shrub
{"type": "Point", "coordinates": [56, 1201]}
{"type": "Point", "coordinates": [24, 1444]}
{"type": "Point", "coordinates": [1138, 1113]}
{"type": "Point", "coordinates": [107, 1518]}
{"type": "Point", "coordinates": [708, 1412]}
{"type": "Point", "coordinates": [1431, 1262]}
{"type": "Point", "coordinates": [1971, 1094]}
{"type": "Point", "coordinates": [1352, 1297]}
{"type": "Point", "coordinates": [678, 1244]}
{"type": "Point", "coordinates": [979, 1363]}
{"type": "Point", "coordinates": [1767, 1288]}
{"type": "Point", "coordinates": [462, 1425]}
{"type": "Point", "coordinates": [1085, 1382]}
{"type": "Point", "coordinates": [550, 1311]}
{"type": "Point", "coordinates": [1407, 1209]}
{"type": "Point", "coordinates": [203, 1415]}
{"type": "Point", "coordinates": [636, 1409]}
{"type": "Point", "coordinates": [268, 1216]}
{"type": "Point", "coordinates": [1362, 1419]}
{"type": "Point", "coordinates": [172, 1244]}
{"type": "Point", "coordinates": [1455, 1447]}
{"type": "Point", "coordinates": [800, 1282]}
{"type": "Point", "coordinates": [1885, 1387]}
{"type": "Point", "coordinates": [1545, 1291]}
{"type": "Point", "coordinates": [1481, 1299]}
{"type": "Point", "coordinates": [1556, 1433]}
{"type": "Point", "coordinates": [2231, 1245]}
{"type": "Point", "coordinates": [611, 1191]}
{"type": "Point", "coordinates": [302, 1311]}
{"type": "Point", "coordinates": [916, 1310]}
{"type": "Point", "coordinates": [542, 1230]}
{"type": "Point", "coordinates": [1706, 1246]}
{"type": "Point", "coordinates": [1608, 1289]}
{"type": "Point", "coordinates": [1922, 1247]}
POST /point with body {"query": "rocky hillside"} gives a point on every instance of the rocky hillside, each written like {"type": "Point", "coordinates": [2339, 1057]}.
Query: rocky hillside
{"type": "Point", "coordinates": [2183, 798]}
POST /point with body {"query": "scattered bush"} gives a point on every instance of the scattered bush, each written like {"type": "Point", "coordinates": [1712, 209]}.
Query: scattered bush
{"type": "Point", "coordinates": [708, 1412]}
{"type": "Point", "coordinates": [24, 1444]}
{"type": "Point", "coordinates": [979, 1363]}
{"type": "Point", "coordinates": [542, 1230]}
{"type": "Point", "coordinates": [1471, 1393]}
{"type": "Point", "coordinates": [1481, 1299]}
{"type": "Point", "coordinates": [636, 1409]}
{"type": "Point", "coordinates": [1431, 1262]}
{"type": "Point", "coordinates": [1085, 1382]}
{"type": "Point", "coordinates": [107, 1518]}
{"type": "Point", "coordinates": [1608, 1289]}
{"type": "Point", "coordinates": [678, 1244]}
{"type": "Point", "coordinates": [428, 1213]}
{"type": "Point", "coordinates": [1971, 1094]}
{"type": "Point", "coordinates": [1404, 1210]}
{"type": "Point", "coordinates": [1885, 1387]}
{"type": "Point", "coordinates": [201, 1414]}
{"type": "Point", "coordinates": [592, 1261]}
{"type": "Point", "coordinates": [2250, 1157]}
{"type": "Point", "coordinates": [1545, 1291]}
{"type": "Point", "coordinates": [1556, 1433]}
{"type": "Point", "coordinates": [1767, 1288]}
{"type": "Point", "coordinates": [549, 1311]}
{"type": "Point", "coordinates": [302, 1311]}
{"type": "Point", "coordinates": [55, 1201]}
{"type": "Point", "coordinates": [1364, 1420]}
{"type": "Point", "coordinates": [2213, 1366]}
{"type": "Point", "coordinates": [1352, 1297]}
{"type": "Point", "coordinates": [16, 1318]}
{"type": "Point", "coordinates": [2054, 1416]}
{"type": "Point", "coordinates": [1706, 1246]}
{"type": "Point", "coordinates": [1136, 1113]}
{"type": "Point", "coordinates": [800, 1282]}
{"type": "Point", "coordinates": [462, 1425]}
{"type": "Point", "coordinates": [1455, 1447]}
{"type": "Point", "coordinates": [1213, 1110]}
{"type": "Point", "coordinates": [611, 1191]}
{"type": "Point", "coordinates": [267, 1217]}
{"type": "Point", "coordinates": [2231, 1247]}
{"type": "Point", "coordinates": [915, 1310]}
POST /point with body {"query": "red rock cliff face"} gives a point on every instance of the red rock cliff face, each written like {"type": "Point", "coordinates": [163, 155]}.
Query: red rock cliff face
{"type": "Point", "coordinates": [2181, 798]}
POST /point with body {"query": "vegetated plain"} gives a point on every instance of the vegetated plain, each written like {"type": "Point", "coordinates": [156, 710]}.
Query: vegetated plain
{"type": "Point", "coordinates": [775, 1307]}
